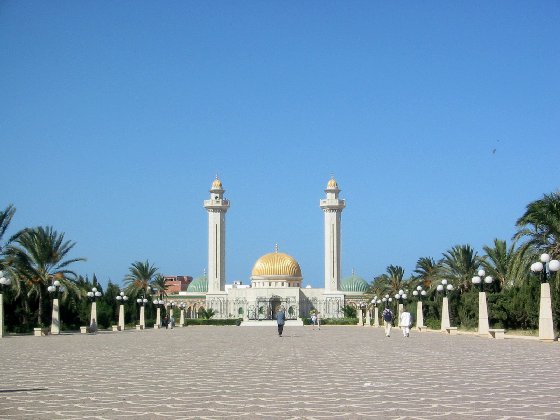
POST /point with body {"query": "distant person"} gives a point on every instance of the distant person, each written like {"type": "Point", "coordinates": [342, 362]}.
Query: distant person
{"type": "Point", "coordinates": [388, 321]}
{"type": "Point", "coordinates": [318, 320]}
{"type": "Point", "coordinates": [314, 319]}
{"type": "Point", "coordinates": [406, 322]}
{"type": "Point", "coordinates": [281, 320]}
{"type": "Point", "coordinates": [165, 322]}
{"type": "Point", "coordinates": [172, 322]}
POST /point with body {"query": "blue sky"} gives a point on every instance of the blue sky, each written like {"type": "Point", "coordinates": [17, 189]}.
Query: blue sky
{"type": "Point", "coordinates": [439, 120]}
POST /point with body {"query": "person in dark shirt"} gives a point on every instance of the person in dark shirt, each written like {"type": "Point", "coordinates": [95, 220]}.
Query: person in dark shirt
{"type": "Point", "coordinates": [281, 319]}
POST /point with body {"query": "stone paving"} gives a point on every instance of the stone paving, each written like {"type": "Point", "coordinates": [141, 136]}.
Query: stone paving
{"type": "Point", "coordinates": [236, 372]}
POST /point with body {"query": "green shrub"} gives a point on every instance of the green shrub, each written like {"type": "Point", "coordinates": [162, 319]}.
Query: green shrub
{"type": "Point", "coordinates": [200, 321]}
{"type": "Point", "coordinates": [339, 321]}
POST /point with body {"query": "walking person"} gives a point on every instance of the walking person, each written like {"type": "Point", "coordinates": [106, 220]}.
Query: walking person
{"type": "Point", "coordinates": [388, 320]}
{"type": "Point", "coordinates": [318, 320]}
{"type": "Point", "coordinates": [314, 319]}
{"type": "Point", "coordinates": [405, 321]}
{"type": "Point", "coordinates": [281, 320]}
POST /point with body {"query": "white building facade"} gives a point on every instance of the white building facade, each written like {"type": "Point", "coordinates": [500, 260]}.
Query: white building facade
{"type": "Point", "coordinates": [276, 278]}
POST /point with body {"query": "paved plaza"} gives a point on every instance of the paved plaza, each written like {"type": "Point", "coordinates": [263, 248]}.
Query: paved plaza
{"type": "Point", "coordinates": [250, 372]}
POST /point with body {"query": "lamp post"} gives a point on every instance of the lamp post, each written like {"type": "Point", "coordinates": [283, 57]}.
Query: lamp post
{"type": "Point", "coordinates": [56, 289]}
{"type": "Point", "coordinates": [445, 287]}
{"type": "Point", "coordinates": [159, 304]}
{"type": "Point", "coordinates": [546, 325]}
{"type": "Point", "coordinates": [375, 302]}
{"type": "Point", "coordinates": [480, 279]}
{"type": "Point", "coordinates": [142, 302]}
{"type": "Point", "coordinates": [386, 300]}
{"type": "Point", "coordinates": [419, 293]}
{"type": "Point", "coordinates": [93, 295]}
{"type": "Point", "coordinates": [182, 307]}
{"type": "Point", "coordinates": [361, 306]}
{"type": "Point", "coordinates": [121, 299]}
{"type": "Point", "coordinates": [170, 315]}
{"type": "Point", "coordinates": [4, 283]}
{"type": "Point", "coordinates": [400, 298]}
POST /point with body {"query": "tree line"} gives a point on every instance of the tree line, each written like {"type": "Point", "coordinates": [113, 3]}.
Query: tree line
{"type": "Point", "coordinates": [513, 298]}
{"type": "Point", "coordinates": [34, 258]}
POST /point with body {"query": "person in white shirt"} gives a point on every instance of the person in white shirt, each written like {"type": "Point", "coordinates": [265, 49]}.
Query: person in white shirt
{"type": "Point", "coordinates": [405, 321]}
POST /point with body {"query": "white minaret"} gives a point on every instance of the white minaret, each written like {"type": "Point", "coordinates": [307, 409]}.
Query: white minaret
{"type": "Point", "coordinates": [332, 207]}
{"type": "Point", "coordinates": [217, 207]}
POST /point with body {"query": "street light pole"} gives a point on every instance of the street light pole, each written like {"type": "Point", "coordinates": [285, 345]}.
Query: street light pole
{"type": "Point", "coordinates": [56, 289]}
{"type": "Point", "coordinates": [445, 287]}
{"type": "Point", "coordinates": [182, 307]}
{"type": "Point", "coordinates": [419, 293]}
{"type": "Point", "coordinates": [93, 295]}
{"type": "Point", "coordinates": [375, 302]}
{"type": "Point", "coordinates": [121, 298]}
{"type": "Point", "coordinates": [159, 303]}
{"type": "Point", "coordinates": [483, 324]}
{"type": "Point", "coordinates": [142, 302]}
{"type": "Point", "coordinates": [400, 298]}
{"type": "Point", "coordinates": [4, 283]}
{"type": "Point", "coordinates": [546, 324]}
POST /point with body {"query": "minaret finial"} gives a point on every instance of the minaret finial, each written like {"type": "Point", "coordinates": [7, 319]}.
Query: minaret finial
{"type": "Point", "coordinates": [276, 248]}
{"type": "Point", "coordinates": [204, 271]}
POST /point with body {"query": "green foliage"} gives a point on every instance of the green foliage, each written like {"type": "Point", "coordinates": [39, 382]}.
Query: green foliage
{"type": "Point", "coordinates": [340, 321]}
{"type": "Point", "coordinates": [349, 311]}
{"type": "Point", "coordinates": [206, 313]}
{"type": "Point", "coordinates": [200, 321]}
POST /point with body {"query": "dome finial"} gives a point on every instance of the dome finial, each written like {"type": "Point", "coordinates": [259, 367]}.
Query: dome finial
{"type": "Point", "coordinates": [276, 248]}
{"type": "Point", "coordinates": [353, 272]}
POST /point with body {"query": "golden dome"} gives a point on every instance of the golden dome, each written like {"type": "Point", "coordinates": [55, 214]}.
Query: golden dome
{"type": "Point", "coordinates": [217, 184]}
{"type": "Point", "coordinates": [332, 184]}
{"type": "Point", "coordinates": [276, 264]}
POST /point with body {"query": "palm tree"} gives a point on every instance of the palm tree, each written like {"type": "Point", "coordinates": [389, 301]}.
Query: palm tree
{"type": "Point", "coordinates": [139, 280]}
{"type": "Point", "coordinates": [160, 286]}
{"type": "Point", "coordinates": [395, 279]}
{"type": "Point", "coordinates": [379, 286]}
{"type": "Point", "coordinates": [506, 264]}
{"type": "Point", "coordinates": [5, 220]}
{"type": "Point", "coordinates": [427, 270]}
{"type": "Point", "coordinates": [459, 265]}
{"type": "Point", "coordinates": [38, 258]}
{"type": "Point", "coordinates": [540, 224]}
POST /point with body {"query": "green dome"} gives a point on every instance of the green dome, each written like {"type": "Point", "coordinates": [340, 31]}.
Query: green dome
{"type": "Point", "coordinates": [199, 285]}
{"type": "Point", "coordinates": [354, 283]}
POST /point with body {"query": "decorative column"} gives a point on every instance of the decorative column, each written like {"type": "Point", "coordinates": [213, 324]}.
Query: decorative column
{"type": "Point", "coordinates": [158, 317]}
{"type": "Point", "coordinates": [4, 283]}
{"type": "Point", "coordinates": [483, 325]}
{"type": "Point", "coordinates": [121, 316]}
{"type": "Point", "coordinates": [368, 318]}
{"type": "Point", "coordinates": [360, 317]}
{"type": "Point", "coordinates": [93, 313]}
{"type": "Point", "coordinates": [546, 325]}
{"type": "Point", "coordinates": [142, 318]}
{"type": "Point", "coordinates": [376, 319]}
{"type": "Point", "coordinates": [56, 289]}
{"type": "Point", "coordinates": [419, 315]}
{"type": "Point", "coordinates": [546, 267]}
{"type": "Point", "coordinates": [445, 315]}
{"type": "Point", "coordinates": [182, 317]}
{"type": "Point", "coordinates": [55, 325]}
